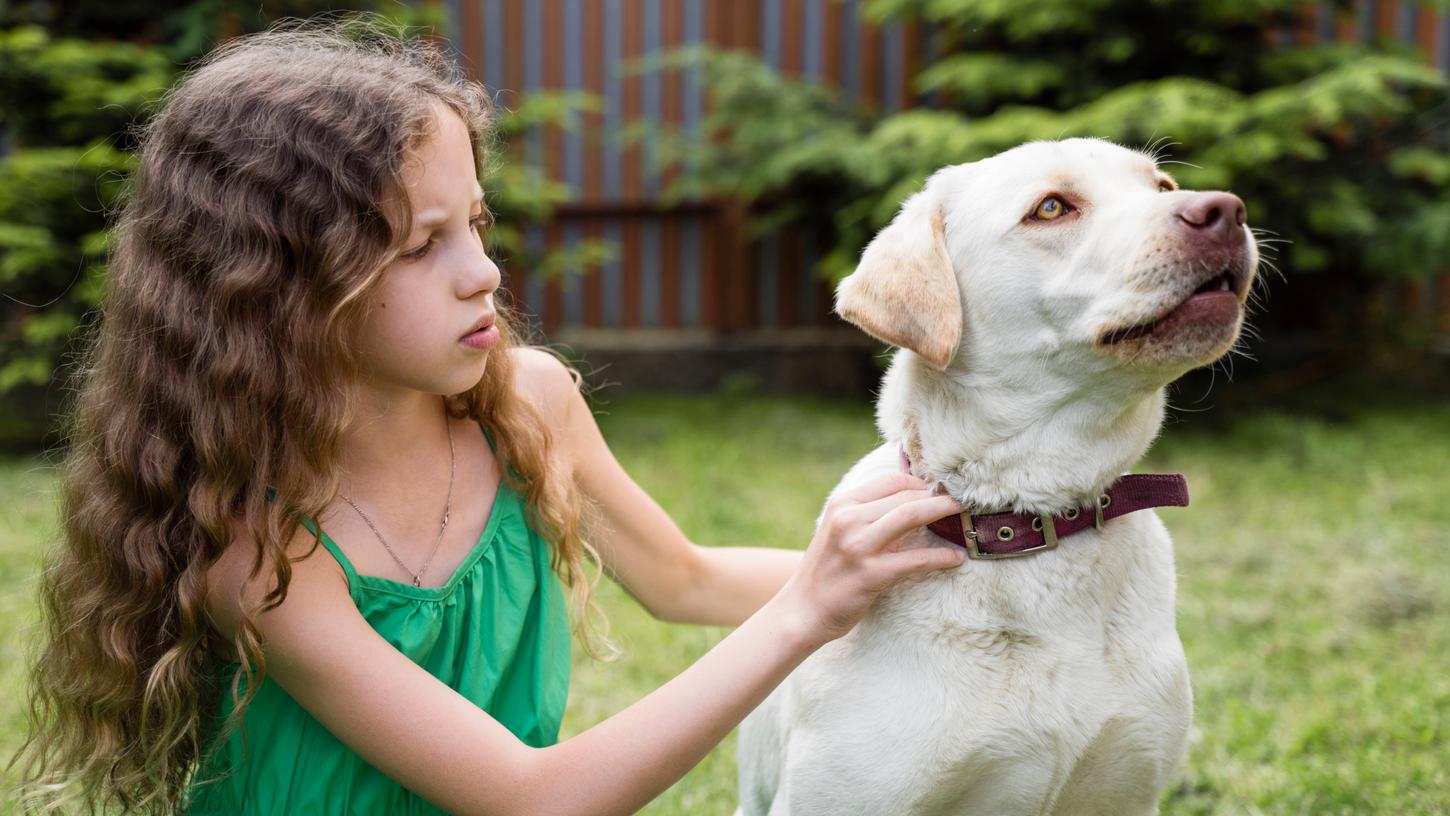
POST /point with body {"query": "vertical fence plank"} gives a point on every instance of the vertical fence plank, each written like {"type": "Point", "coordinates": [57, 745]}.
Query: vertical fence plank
{"type": "Point", "coordinates": [767, 278]}
{"type": "Point", "coordinates": [711, 303]}
{"type": "Point", "coordinates": [614, 113]}
{"type": "Point", "coordinates": [633, 34]}
{"type": "Point", "coordinates": [1346, 26]}
{"type": "Point", "coordinates": [593, 277]}
{"type": "Point", "coordinates": [649, 272]}
{"type": "Point", "coordinates": [1443, 323]}
{"type": "Point", "coordinates": [572, 283]}
{"type": "Point", "coordinates": [688, 265]}
{"type": "Point", "coordinates": [1425, 31]}
{"type": "Point", "coordinates": [1386, 18]}
{"type": "Point", "coordinates": [832, 33]}
{"type": "Point", "coordinates": [629, 279]}
{"type": "Point", "coordinates": [806, 253]}
{"type": "Point", "coordinates": [513, 23]}
{"type": "Point", "coordinates": [792, 38]}
{"type": "Point", "coordinates": [911, 45]}
{"type": "Point", "coordinates": [533, 282]}
{"type": "Point", "coordinates": [670, 272]}
{"type": "Point", "coordinates": [551, 72]}
{"type": "Point", "coordinates": [811, 47]}
{"type": "Point", "coordinates": [650, 93]}
{"type": "Point", "coordinates": [612, 280]}
{"type": "Point", "coordinates": [553, 306]}
{"type": "Point", "coordinates": [671, 104]}
{"type": "Point", "coordinates": [788, 262]}
{"type": "Point", "coordinates": [492, 45]}
{"type": "Point", "coordinates": [870, 49]}
{"type": "Point", "coordinates": [533, 14]}
{"type": "Point", "coordinates": [771, 40]}
{"type": "Point", "coordinates": [1442, 51]}
{"type": "Point", "coordinates": [1304, 25]}
{"type": "Point", "coordinates": [693, 91]}
{"type": "Point", "coordinates": [593, 123]}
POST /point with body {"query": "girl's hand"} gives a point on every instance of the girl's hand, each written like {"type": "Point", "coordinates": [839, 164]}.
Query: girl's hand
{"type": "Point", "coordinates": [856, 553]}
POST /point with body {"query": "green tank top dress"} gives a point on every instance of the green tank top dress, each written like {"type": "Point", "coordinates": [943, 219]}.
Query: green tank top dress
{"type": "Point", "coordinates": [497, 632]}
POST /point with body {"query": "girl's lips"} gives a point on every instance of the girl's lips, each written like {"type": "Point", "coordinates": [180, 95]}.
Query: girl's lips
{"type": "Point", "coordinates": [488, 319]}
{"type": "Point", "coordinates": [482, 339]}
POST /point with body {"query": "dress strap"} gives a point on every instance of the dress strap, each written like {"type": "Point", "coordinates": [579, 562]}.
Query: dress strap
{"type": "Point", "coordinates": [336, 551]}
{"type": "Point", "coordinates": [493, 446]}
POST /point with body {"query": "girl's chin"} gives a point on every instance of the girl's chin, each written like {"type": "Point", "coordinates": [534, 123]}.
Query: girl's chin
{"type": "Point", "coordinates": [475, 375]}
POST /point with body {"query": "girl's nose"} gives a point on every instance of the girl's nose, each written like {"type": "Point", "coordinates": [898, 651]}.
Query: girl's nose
{"type": "Point", "coordinates": [482, 273]}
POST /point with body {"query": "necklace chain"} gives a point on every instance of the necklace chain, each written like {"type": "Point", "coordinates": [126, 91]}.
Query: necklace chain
{"type": "Point", "coordinates": [443, 525]}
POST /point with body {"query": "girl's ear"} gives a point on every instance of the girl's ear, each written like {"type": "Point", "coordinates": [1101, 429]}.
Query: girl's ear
{"type": "Point", "coordinates": [904, 290]}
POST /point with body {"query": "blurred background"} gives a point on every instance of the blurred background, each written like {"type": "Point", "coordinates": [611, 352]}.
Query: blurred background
{"type": "Point", "coordinates": [683, 182]}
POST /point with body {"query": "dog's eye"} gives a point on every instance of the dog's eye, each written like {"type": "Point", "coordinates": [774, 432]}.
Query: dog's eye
{"type": "Point", "coordinates": [1165, 186]}
{"type": "Point", "coordinates": [1051, 207]}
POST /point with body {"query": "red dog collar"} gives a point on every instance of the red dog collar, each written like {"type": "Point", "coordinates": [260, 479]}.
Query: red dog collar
{"type": "Point", "coordinates": [1010, 535]}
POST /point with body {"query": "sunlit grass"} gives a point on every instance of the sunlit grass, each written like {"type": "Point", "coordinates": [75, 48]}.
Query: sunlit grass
{"type": "Point", "coordinates": [1314, 586]}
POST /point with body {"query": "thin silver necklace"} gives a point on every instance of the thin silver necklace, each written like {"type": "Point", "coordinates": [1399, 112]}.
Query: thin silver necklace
{"type": "Point", "coordinates": [447, 509]}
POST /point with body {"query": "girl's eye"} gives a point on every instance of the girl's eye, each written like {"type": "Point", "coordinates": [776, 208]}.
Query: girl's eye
{"type": "Point", "coordinates": [473, 224]}
{"type": "Point", "coordinates": [1050, 209]}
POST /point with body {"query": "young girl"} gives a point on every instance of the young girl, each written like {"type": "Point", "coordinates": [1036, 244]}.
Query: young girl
{"type": "Point", "coordinates": [321, 506]}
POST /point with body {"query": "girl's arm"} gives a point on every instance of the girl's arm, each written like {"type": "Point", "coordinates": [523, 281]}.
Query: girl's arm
{"type": "Point", "coordinates": [641, 546]}
{"type": "Point", "coordinates": [432, 740]}
{"type": "Point", "coordinates": [728, 584]}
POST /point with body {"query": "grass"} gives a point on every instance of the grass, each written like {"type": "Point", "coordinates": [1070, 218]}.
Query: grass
{"type": "Point", "coordinates": [1314, 586]}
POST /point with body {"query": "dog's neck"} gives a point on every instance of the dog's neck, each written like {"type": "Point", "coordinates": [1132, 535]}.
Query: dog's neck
{"type": "Point", "coordinates": [999, 439]}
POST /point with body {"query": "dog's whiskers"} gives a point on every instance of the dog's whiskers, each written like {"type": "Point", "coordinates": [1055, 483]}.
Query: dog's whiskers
{"type": "Point", "coordinates": [1159, 148]}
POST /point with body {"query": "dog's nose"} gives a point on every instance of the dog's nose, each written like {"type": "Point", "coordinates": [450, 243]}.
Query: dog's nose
{"type": "Point", "coordinates": [1214, 216]}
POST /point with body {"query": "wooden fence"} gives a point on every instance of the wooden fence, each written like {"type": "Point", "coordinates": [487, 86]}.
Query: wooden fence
{"type": "Point", "coordinates": [692, 267]}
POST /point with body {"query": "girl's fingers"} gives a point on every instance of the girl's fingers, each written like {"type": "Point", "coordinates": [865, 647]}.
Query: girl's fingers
{"type": "Point", "coordinates": [873, 510]}
{"type": "Point", "coordinates": [879, 487]}
{"type": "Point", "coordinates": [924, 559]}
{"type": "Point", "coordinates": [909, 515]}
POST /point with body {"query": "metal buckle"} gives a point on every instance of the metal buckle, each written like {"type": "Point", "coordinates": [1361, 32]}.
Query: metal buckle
{"type": "Point", "coordinates": [969, 528]}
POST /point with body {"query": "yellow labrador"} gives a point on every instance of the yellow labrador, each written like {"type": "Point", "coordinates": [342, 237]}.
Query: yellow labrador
{"type": "Point", "coordinates": [1041, 300]}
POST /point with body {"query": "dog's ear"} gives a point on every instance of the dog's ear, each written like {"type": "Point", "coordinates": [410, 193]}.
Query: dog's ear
{"type": "Point", "coordinates": [904, 290]}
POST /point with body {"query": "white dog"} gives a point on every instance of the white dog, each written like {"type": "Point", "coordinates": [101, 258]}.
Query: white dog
{"type": "Point", "coordinates": [1041, 299]}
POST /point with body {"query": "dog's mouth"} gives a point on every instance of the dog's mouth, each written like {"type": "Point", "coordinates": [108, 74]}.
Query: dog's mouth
{"type": "Point", "coordinates": [1215, 300]}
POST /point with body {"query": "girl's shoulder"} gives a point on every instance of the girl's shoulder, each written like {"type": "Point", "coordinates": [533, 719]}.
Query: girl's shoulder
{"type": "Point", "coordinates": [231, 587]}
{"type": "Point", "coordinates": [546, 381]}
{"type": "Point", "coordinates": [555, 389]}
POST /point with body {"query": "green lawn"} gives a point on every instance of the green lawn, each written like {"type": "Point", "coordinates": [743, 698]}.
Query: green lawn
{"type": "Point", "coordinates": [1314, 586]}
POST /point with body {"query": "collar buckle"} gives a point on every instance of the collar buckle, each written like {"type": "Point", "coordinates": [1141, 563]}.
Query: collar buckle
{"type": "Point", "coordinates": [974, 551]}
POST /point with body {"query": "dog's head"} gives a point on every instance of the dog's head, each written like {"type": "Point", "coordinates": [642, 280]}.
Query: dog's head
{"type": "Point", "coordinates": [1080, 254]}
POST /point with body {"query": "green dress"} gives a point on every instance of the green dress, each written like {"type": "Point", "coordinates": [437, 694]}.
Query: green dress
{"type": "Point", "coordinates": [497, 632]}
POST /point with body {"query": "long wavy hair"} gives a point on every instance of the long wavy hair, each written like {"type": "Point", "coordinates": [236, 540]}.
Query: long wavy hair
{"type": "Point", "coordinates": [266, 203]}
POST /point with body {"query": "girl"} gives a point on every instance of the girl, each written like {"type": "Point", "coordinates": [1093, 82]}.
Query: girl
{"type": "Point", "coordinates": [320, 505]}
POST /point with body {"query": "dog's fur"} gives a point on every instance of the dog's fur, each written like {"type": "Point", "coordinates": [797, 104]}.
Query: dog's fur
{"type": "Point", "coordinates": [1053, 683]}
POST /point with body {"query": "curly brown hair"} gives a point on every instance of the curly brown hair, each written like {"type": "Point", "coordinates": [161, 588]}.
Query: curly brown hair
{"type": "Point", "coordinates": [266, 202]}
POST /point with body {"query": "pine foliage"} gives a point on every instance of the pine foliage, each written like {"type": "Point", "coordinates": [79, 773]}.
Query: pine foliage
{"type": "Point", "coordinates": [1339, 150]}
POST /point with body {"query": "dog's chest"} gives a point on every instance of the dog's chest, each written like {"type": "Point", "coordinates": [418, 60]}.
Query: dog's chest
{"type": "Point", "coordinates": [1050, 687]}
